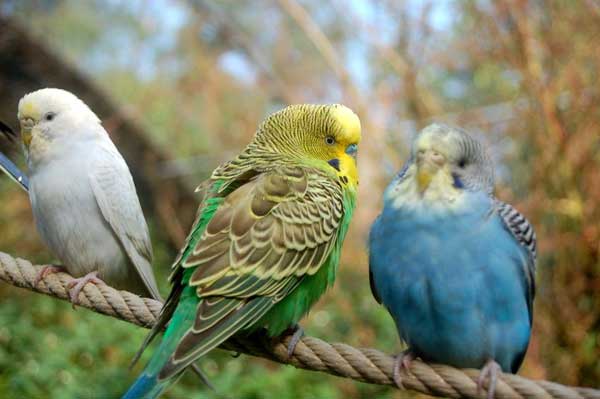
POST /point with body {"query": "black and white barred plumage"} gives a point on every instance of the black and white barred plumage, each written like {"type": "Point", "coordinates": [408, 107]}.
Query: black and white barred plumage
{"type": "Point", "coordinates": [519, 226]}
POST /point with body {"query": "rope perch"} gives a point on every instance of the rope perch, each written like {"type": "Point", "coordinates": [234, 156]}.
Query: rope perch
{"type": "Point", "coordinates": [366, 365]}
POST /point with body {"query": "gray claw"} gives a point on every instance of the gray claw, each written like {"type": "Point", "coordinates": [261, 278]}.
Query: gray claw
{"type": "Point", "coordinates": [298, 333]}
{"type": "Point", "coordinates": [490, 371]}
{"type": "Point", "coordinates": [403, 361]}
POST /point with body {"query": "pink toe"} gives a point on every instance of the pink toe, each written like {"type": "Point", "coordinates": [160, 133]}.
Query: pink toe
{"type": "Point", "coordinates": [77, 284]}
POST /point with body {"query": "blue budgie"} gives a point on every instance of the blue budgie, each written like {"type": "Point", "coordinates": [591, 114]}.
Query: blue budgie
{"type": "Point", "coordinates": [453, 265]}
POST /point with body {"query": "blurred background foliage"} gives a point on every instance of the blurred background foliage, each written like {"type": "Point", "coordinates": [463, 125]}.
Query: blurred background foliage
{"type": "Point", "coordinates": [198, 76]}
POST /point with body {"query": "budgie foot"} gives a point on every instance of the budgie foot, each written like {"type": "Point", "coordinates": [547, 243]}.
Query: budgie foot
{"type": "Point", "coordinates": [403, 361]}
{"type": "Point", "coordinates": [489, 371]}
{"type": "Point", "coordinates": [46, 270]}
{"type": "Point", "coordinates": [297, 333]}
{"type": "Point", "coordinates": [77, 284]}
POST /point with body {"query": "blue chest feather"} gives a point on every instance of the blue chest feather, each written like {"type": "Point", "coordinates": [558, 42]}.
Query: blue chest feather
{"type": "Point", "coordinates": [452, 278]}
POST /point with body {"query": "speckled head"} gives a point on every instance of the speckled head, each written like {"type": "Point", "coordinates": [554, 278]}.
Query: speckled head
{"type": "Point", "coordinates": [329, 133]}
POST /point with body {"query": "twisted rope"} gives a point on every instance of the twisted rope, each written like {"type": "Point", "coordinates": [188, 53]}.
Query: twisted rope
{"type": "Point", "coordinates": [366, 365]}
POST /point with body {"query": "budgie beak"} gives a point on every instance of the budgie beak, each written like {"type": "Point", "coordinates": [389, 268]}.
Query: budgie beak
{"type": "Point", "coordinates": [429, 162]}
{"type": "Point", "coordinates": [26, 127]}
{"type": "Point", "coordinates": [29, 115]}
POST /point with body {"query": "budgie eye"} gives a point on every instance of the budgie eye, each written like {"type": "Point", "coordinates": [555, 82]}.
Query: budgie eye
{"type": "Point", "coordinates": [462, 163]}
{"type": "Point", "coordinates": [330, 140]}
{"type": "Point", "coordinates": [49, 116]}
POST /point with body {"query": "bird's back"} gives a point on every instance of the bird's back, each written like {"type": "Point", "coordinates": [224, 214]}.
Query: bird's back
{"type": "Point", "coordinates": [453, 282]}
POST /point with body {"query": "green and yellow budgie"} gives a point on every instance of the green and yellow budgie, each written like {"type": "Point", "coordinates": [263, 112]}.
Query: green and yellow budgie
{"type": "Point", "coordinates": [266, 242]}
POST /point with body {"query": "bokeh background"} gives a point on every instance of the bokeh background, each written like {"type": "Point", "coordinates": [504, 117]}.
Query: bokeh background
{"type": "Point", "coordinates": [182, 85]}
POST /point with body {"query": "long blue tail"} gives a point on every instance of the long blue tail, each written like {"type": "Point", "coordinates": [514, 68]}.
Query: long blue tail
{"type": "Point", "coordinates": [147, 385]}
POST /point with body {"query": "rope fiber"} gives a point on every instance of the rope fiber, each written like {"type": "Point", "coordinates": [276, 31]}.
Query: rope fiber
{"type": "Point", "coordinates": [360, 364]}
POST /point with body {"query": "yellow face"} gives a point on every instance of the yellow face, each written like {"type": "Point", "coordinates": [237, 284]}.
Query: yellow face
{"type": "Point", "coordinates": [342, 144]}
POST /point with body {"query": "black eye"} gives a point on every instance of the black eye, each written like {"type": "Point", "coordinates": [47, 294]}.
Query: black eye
{"type": "Point", "coordinates": [330, 140]}
{"type": "Point", "coordinates": [462, 163]}
{"type": "Point", "coordinates": [49, 116]}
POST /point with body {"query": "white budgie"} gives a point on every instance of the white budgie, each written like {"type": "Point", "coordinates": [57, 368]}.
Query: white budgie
{"type": "Point", "coordinates": [83, 197]}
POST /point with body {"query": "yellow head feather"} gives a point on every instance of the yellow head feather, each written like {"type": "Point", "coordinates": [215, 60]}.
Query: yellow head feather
{"type": "Point", "coordinates": [27, 109]}
{"type": "Point", "coordinates": [349, 122]}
